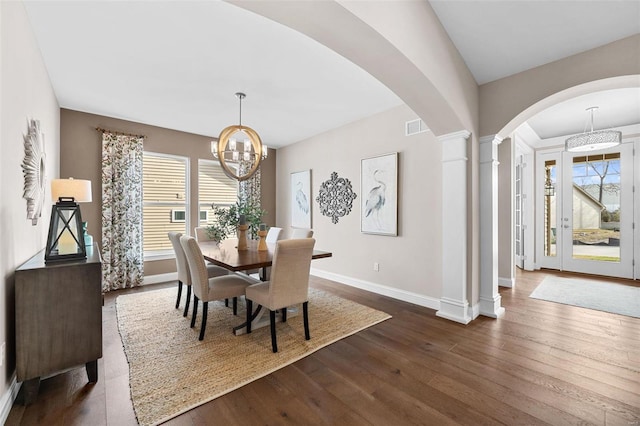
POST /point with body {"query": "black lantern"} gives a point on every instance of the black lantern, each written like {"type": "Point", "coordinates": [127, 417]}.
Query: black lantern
{"type": "Point", "coordinates": [66, 240]}
{"type": "Point", "coordinates": [549, 188]}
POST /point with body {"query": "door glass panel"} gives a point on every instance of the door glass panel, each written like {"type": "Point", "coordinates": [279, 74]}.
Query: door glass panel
{"type": "Point", "coordinates": [596, 207]}
{"type": "Point", "coordinates": [550, 207]}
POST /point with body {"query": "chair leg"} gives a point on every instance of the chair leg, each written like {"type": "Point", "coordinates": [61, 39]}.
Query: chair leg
{"type": "Point", "coordinates": [249, 309]}
{"type": "Point", "coordinates": [195, 311]}
{"type": "Point", "coordinates": [226, 303]}
{"type": "Point", "coordinates": [272, 320]}
{"type": "Point", "coordinates": [179, 293]}
{"type": "Point", "coordinates": [305, 317]}
{"type": "Point", "coordinates": [235, 306]}
{"type": "Point", "coordinates": [284, 314]}
{"type": "Point", "coordinates": [186, 304]}
{"type": "Point", "coordinates": [205, 309]}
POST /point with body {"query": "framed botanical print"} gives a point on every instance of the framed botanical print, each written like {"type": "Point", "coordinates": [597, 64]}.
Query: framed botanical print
{"type": "Point", "coordinates": [379, 195]}
{"type": "Point", "coordinates": [301, 199]}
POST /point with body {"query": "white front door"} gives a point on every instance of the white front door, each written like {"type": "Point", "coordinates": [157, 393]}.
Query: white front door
{"type": "Point", "coordinates": [596, 223]}
{"type": "Point", "coordinates": [548, 213]}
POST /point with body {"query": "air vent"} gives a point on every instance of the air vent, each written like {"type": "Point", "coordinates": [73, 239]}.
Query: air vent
{"type": "Point", "coordinates": [414, 126]}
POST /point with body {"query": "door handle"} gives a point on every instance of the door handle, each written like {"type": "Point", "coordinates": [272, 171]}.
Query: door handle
{"type": "Point", "coordinates": [565, 226]}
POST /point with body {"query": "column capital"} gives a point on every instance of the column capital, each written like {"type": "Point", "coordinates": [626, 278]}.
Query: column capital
{"type": "Point", "coordinates": [462, 134]}
{"type": "Point", "coordinates": [454, 146]}
{"type": "Point", "coordinates": [495, 139]}
{"type": "Point", "coordinates": [489, 152]}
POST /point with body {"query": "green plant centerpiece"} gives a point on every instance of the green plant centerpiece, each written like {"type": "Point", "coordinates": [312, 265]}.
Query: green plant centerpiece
{"type": "Point", "coordinates": [227, 217]}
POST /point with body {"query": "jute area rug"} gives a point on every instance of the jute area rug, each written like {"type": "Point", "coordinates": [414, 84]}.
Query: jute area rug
{"type": "Point", "coordinates": [171, 372]}
{"type": "Point", "coordinates": [599, 295]}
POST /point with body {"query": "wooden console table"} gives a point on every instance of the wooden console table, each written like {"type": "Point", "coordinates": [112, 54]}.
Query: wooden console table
{"type": "Point", "coordinates": [58, 318]}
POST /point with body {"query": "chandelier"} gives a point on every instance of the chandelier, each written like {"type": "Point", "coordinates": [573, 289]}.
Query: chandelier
{"type": "Point", "coordinates": [592, 140]}
{"type": "Point", "coordinates": [239, 149]}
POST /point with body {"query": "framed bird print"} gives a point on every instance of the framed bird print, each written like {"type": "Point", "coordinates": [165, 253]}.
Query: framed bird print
{"type": "Point", "coordinates": [379, 195]}
{"type": "Point", "coordinates": [301, 199]}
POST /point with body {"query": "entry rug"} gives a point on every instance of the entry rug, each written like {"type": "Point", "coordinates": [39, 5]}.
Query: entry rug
{"type": "Point", "coordinates": [171, 372]}
{"type": "Point", "coordinates": [599, 295]}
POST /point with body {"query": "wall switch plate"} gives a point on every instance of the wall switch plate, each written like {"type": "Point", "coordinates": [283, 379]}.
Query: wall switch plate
{"type": "Point", "coordinates": [376, 266]}
{"type": "Point", "coordinates": [3, 350]}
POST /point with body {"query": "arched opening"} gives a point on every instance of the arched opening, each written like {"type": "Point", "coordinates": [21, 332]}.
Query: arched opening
{"type": "Point", "coordinates": [558, 203]}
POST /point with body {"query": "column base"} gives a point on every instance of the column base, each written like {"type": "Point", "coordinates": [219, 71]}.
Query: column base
{"type": "Point", "coordinates": [490, 307]}
{"type": "Point", "coordinates": [454, 310]}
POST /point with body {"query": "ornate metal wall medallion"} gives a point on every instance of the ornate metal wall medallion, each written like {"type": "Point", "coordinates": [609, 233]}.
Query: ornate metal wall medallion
{"type": "Point", "coordinates": [336, 197]}
{"type": "Point", "coordinates": [33, 168]}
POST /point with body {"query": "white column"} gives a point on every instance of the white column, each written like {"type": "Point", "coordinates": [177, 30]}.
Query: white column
{"type": "Point", "coordinates": [489, 296]}
{"type": "Point", "coordinates": [454, 305]}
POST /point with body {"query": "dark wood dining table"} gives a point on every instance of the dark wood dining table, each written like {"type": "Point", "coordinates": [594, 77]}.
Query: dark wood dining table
{"type": "Point", "coordinates": [227, 255]}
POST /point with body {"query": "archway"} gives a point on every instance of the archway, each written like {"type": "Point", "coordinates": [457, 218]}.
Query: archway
{"type": "Point", "coordinates": [621, 82]}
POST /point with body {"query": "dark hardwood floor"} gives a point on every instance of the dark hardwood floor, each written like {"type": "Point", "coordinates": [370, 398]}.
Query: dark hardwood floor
{"type": "Point", "coordinates": [543, 363]}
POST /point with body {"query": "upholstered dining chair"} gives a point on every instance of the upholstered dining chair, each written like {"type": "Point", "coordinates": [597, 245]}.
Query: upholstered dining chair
{"type": "Point", "coordinates": [209, 289]}
{"type": "Point", "coordinates": [184, 276]}
{"type": "Point", "coordinates": [297, 233]}
{"type": "Point", "coordinates": [273, 235]}
{"type": "Point", "coordinates": [288, 285]}
{"type": "Point", "coordinates": [201, 234]}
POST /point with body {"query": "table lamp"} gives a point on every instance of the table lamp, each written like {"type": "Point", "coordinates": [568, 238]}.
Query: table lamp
{"type": "Point", "coordinates": [65, 240]}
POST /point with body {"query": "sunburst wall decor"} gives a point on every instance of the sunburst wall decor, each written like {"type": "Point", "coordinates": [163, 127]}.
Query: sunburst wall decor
{"type": "Point", "coordinates": [336, 197]}
{"type": "Point", "coordinates": [33, 168]}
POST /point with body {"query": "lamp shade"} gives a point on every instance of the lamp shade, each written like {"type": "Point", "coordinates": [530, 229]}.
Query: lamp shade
{"type": "Point", "coordinates": [78, 189]}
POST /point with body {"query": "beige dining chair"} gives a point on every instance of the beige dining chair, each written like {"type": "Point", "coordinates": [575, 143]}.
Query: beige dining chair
{"type": "Point", "coordinates": [184, 276]}
{"type": "Point", "coordinates": [288, 286]}
{"type": "Point", "coordinates": [273, 235]}
{"type": "Point", "coordinates": [209, 289]}
{"type": "Point", "coordinates": [202, 234]}
{"type": "Point", "coordinates": [297, 233]}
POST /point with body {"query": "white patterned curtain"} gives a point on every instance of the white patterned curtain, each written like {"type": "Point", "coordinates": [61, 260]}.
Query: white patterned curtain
{"type": "Point", "coordinates": [249, 190]}
{"type": "Point", "coordinates": [122, 257]}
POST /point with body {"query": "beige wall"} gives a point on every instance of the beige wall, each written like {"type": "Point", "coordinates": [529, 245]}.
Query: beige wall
{"type": "Point", "coordinates": [398, 43]}
{"type": "Point", "coordinates": [502, 100]}
{"type": "Point", "coordinates": [80, 151]}
{"type": "Point", "coordinates": [26, 93]}
{"type": "Point", "coordinates": [506, 181]}
{"type": "Point", "coordinates": [410, 262]}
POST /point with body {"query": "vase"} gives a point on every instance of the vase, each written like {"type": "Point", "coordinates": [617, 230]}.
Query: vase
{"type": "Point", "coordinates": [262, 244]}
{"type": "Point", "coordinates": [242, 237]}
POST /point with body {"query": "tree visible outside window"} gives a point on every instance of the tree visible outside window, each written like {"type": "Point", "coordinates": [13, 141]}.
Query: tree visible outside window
{"type": "Point", "coordinates": [165, 200]}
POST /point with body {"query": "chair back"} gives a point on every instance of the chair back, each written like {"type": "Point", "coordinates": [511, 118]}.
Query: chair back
{"type": "Point", "coordinates": [297, 233]}
{"type": "Point", "coordinates": [202, 234]}
{"type": "Point", "coordinates": [273, 235]}
{"type": "Point", "coordinates": [195, 260]}
{"type": "Point", "coordinates": [289, 281]}
{"type": "Point", "coordinates": [181, 260]}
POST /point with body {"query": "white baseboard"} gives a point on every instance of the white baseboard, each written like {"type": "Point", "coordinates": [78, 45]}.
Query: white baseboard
{"type": "Point", "coordinates": [406, 296]}
{"type": "Point", "coordinates": [506, 282]}
{"type": "Point", "coordinates": [160, 278]}
{"type": "Point", "coordinates": [475, 311]}
{"type": "Point", "coordinates": [9, 397]}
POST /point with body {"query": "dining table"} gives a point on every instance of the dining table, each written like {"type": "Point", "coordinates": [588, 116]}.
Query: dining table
{"type": "Point", "coordinates": [227, 255]}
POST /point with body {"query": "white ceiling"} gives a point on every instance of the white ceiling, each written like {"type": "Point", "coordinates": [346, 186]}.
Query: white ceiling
{"type": "Point", "coordinates": [178, 64]}
{"type": "Point", "coordinates": [616, 108]}
{"type": "Point", "coordinates": [501, 38]}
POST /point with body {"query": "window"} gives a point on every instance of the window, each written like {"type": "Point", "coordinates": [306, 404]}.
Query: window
{"type": "Point", "coordinates": [214, 187]}
{"type": "Point", "coordinates": [180, 215]}
{"type": "Point", "coordinates": [165, 200]}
